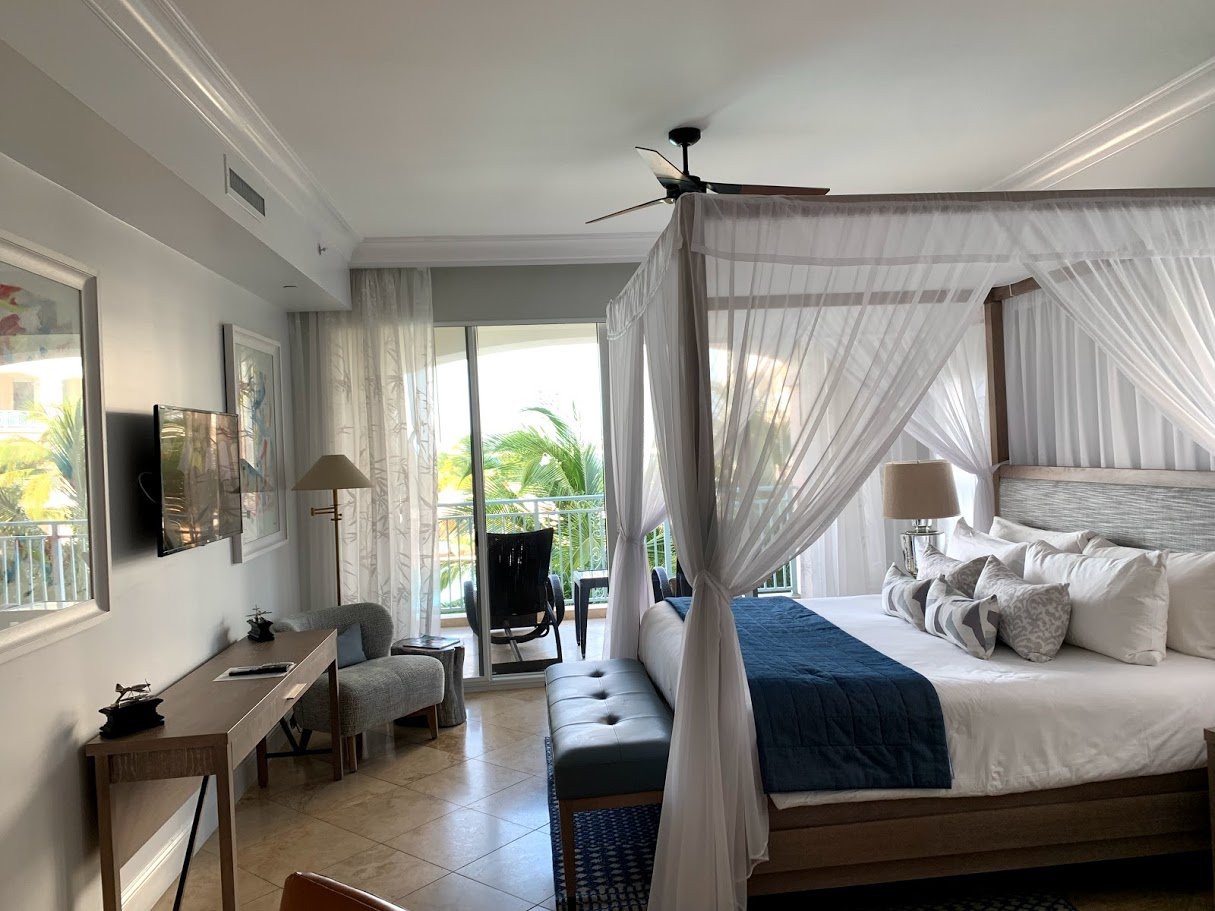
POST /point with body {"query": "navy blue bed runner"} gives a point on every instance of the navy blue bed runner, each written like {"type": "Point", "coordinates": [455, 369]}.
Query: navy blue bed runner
{"type": "Point", "coordinates": [832, 713]}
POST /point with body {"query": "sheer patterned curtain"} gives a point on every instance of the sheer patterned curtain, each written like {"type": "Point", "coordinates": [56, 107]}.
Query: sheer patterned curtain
{"type": "Point", "coordinates": [639, 506]}
{"type": "Point", "coordinates": [1138, 277]}
{"type": "Point", "coordinates": [741, 300]}
{"type": "Point", "coordinates": [366, 389]}
{"type": "Point", "coordinates": [1068, 404]}
{"type": "Point", "coordinates": [951, 420]}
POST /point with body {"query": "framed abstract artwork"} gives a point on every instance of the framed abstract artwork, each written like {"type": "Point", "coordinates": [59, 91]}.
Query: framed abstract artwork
{"type": "Point", "coordinates": [254, 378]}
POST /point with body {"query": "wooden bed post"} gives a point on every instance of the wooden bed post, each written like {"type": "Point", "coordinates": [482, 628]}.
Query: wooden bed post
{"type": "Point", "coordinates": [997, 391]}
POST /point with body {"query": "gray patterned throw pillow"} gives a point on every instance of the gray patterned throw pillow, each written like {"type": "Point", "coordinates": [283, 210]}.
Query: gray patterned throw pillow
{"type": "Point", "coordinates": [905, 596]}
{"type": "Point", "coordinates": [1033, 618]}
{"type": "Point", "coordinates": [933, 564]}
{"type": "Point", "coordinates": [968, 623]}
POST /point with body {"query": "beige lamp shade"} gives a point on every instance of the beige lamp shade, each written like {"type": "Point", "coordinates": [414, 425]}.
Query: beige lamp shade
{"type": "Point", "coordinates": [332, 472]}
{"type": "Point", "coordinates": [918, 490]}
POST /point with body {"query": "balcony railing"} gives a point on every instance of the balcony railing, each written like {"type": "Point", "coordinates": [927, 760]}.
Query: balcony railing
{"type": "Point", "coordinates": [44, 562]}
{"type": "Point", "coordinates": [579, 542]}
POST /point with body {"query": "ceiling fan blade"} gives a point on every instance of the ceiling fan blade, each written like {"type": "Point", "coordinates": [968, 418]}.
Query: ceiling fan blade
{"type": "Point", "coordinates": [644, 205]}
{"type": "Point", "coordinates": [658, 163]}
{"type": "Point", "coordinates": [760, 189]}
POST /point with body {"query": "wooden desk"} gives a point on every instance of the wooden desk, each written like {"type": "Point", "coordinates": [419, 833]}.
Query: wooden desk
{"type": "Point", "coordinates": [210, 727]}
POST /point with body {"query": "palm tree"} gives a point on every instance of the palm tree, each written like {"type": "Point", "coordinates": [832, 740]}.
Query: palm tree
{"type": "Point", "coordinates": [536, 463]}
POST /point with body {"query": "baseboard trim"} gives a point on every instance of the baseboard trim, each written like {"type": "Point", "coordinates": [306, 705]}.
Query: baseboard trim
{"type": "Point", "coordinates": [146, 887]}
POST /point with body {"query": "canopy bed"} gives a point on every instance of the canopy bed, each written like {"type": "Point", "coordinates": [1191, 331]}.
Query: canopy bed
{"type": "Point", "coordinates": [781, 346]}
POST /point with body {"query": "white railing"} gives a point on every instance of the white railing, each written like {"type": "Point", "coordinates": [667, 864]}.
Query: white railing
{"type": "Point", "coordinates": [43, 562]}
{"type": "Point", "coordinates": [580, 542]}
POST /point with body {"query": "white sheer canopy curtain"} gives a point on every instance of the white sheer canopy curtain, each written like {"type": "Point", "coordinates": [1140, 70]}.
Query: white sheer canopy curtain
{"type": "Point", "coordinates": [637, 491]}
{"type": "Point", "coordinates": [1068, 404]}
{"type": "Point", "coordinates": [742, 300]}
{"type": "Point", "coordinates": [1137, 276]}
{"type": "Point", "coordinates": [952, 420]}
{"type": "Point", "coordinates": [366, 385]}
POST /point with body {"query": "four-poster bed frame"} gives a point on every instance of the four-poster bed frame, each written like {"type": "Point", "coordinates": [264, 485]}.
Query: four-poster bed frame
{"type": "Point", "coordinates": [846, 844]}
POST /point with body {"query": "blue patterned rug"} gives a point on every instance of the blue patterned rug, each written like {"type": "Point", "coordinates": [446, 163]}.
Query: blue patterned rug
{"type": "Point", "coordinates": [616, 858]}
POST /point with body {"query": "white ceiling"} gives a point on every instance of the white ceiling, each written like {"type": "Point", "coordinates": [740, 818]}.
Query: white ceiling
{"type": "Point", "coordinates": [425, 118]}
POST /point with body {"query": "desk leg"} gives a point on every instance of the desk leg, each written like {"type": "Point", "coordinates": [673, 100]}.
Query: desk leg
{"type": "Point", "coordinates": [335, 723]}
{"type": "Point", "coordinates": [225, 804]}
{"type": "Point", "coordinates": [111, 883]}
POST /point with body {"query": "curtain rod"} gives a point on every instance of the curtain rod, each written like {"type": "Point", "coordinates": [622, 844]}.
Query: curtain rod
{"type": "Point", "coordinates": [1004, 292]}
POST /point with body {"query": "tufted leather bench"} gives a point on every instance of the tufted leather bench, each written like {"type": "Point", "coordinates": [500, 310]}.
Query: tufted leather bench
{"type": "Point", "coordinates": [611, 733]}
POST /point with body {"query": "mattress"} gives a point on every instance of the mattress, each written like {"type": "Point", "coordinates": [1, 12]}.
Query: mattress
{"type": "Point", "coordinates": [1012, 725]}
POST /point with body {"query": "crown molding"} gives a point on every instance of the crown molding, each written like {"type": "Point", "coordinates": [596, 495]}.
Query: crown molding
{"type": "Point", "coordinates": [503, 250]}
{"type": "Point", "coordinates": [159, 34]}
{"type": "Point", "coordinates": [1168, 105]}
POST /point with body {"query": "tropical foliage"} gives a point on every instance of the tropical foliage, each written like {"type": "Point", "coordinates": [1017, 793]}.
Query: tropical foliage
{"type": "Point", "coordinates": [542, 474]}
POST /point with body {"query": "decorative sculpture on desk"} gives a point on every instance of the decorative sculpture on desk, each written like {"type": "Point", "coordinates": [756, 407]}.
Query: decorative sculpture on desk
{"type": "Point", "coordinates": [260, 629]}
{"type": "Point", "coordinates": [133, 710]}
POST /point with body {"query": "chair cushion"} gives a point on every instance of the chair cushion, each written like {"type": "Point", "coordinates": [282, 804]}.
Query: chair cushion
{"type": "Point", "coordinates": [374, 692]}
{"type": "Point", "coordinates": [611, 730]}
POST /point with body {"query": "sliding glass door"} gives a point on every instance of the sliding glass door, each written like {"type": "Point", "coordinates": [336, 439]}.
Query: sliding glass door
{"type": "Point", "coordinates": [520, 449]}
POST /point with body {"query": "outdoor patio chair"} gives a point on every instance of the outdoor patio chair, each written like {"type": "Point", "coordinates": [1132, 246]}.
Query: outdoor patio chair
{"type": "Point", "coordinates": [526, 601]}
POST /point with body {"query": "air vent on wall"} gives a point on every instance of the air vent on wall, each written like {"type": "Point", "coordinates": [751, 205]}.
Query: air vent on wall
{"type": "Point", "coordinates": [239, 188]}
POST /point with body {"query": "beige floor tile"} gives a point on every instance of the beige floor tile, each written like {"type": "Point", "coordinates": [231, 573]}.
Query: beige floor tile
{"type": "Point", "coordinates": [385, 872]}
{"type": "Point", "coordinates": [525, 804]}
{"type": "Point", "coordinates": [383, 817]}
{"type": "Point", "coordinates": [531, 717]}
{"type": "Point", "coordinates": [202, 886]}
{"type": "Point", "coordinates": [467, 782]}
{"type": "Point", "coordinates": [524, 756]}
{"type": "Point", "coordinates": [255, 819]}
{"type": "Point", "coordinates": [549, 904]}
{"type": "Point", "coordinates": [291, 773]}
{"type": "Point", "coordinates": [458, 838]}
{"type": "Point", "coordinates": [318, 797]}
{"type": "Point", "coordinates": [523, 868]}
{"type": "Point", "coordinates": [408, 762]}
{"type": "Point", "coordinates": [309, 845]}
{"type": "Point", "coordinates": [268, 902]}
{"type": "Point", "coordinates": [457, 893]}
{"type": "Point", "coordinates": [469, 740]}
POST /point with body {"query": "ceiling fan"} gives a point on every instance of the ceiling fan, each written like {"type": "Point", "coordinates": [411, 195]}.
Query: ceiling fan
{"type": "Point", "coordinates": [677, 182]}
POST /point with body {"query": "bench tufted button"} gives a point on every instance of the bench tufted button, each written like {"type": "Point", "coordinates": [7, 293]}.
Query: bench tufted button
{"type": "Point", "coordinates": [601, 695]}
{"type": "Point", "coordinates": [596, 673]}
{"type": "Point", "coordinates": [610, 719]}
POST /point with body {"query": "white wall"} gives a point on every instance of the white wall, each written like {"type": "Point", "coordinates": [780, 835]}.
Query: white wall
{"type": "Point", "coordinates": [161, 317]}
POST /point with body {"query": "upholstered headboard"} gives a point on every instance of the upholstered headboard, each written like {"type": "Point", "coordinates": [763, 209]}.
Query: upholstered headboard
{"type": "Point", "coordinates": [1139, 508]}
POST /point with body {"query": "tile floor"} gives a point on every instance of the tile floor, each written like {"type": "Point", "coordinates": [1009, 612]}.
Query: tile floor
{"type": "Point", "coordinates": [596, 627]}
{"type": "Point", "coordinates": [461, 824]}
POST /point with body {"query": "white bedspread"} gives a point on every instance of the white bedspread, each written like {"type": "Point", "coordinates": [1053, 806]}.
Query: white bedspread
{"type": "Point", "coordinates": [1012, 725]}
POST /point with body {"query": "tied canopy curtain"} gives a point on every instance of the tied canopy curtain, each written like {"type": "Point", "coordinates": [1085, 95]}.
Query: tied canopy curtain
{"type": "Point", "coordinates": [752, 311]}
{"type": "Point", "coordinates": [637, 493]}
{"type": "Point", "coordinates": [1068, 404]}
{"type": "Point", "coordinates": [952, 419]}
{"type": "Point", "coordinates": [1138, 277]}
{"type": "Point", "coordinates": [366, 385]}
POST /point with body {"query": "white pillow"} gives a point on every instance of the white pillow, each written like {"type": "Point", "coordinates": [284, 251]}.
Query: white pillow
{"type": "Point", "coordinates": [967, 544]}
{"type": "Point", "coordinates": [1120, 607]}
{"type": "Point", "coordinates": [1191, 581]}
{"type": "Point", "coordinates": [1070, 542]}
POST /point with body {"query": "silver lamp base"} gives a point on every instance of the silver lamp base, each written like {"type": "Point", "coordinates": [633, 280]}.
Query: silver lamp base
{"type": "Point", "coordinates": [914, 540]}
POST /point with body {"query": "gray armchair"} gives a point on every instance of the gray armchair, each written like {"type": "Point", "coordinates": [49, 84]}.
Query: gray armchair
{"type": "Point", "coordinates": [372, 692]}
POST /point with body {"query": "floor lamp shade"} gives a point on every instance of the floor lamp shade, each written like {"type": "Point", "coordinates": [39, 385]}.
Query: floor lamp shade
{"type": "Point", "coordinates": [333, 473]}
{"type": "Point", "coordinates": [919, 491]}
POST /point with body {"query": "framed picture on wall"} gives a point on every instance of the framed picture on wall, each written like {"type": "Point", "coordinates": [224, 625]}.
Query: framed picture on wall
{"type": "Point", "coordinates": [254, 378]}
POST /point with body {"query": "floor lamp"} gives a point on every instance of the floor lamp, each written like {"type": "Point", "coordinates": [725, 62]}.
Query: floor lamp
{"type": "Point", "coordinates": [333, 472]}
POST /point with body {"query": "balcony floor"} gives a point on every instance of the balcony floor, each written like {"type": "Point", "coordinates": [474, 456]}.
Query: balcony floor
{"type": "Point", "coordinates": [544, 647]}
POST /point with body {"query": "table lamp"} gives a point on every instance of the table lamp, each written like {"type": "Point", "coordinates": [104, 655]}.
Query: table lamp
{"type": "Point", "coordinates": [333, 472]}
{"type": "Point", "coordinates": [920, 491]}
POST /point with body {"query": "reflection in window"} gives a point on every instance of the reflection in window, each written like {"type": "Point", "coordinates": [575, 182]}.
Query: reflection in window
{"type": "Point", "coordinates": [44, 539]}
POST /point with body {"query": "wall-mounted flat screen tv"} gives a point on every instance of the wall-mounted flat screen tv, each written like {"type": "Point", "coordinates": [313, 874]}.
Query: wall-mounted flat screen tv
{"type": "Point", "coordinates": [199, 456]}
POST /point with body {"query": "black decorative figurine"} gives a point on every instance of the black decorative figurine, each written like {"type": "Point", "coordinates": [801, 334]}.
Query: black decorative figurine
{"type": "Point", "coordinates": [260, 629]}
{"type": "Point", "coordinates": [133, 710]}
